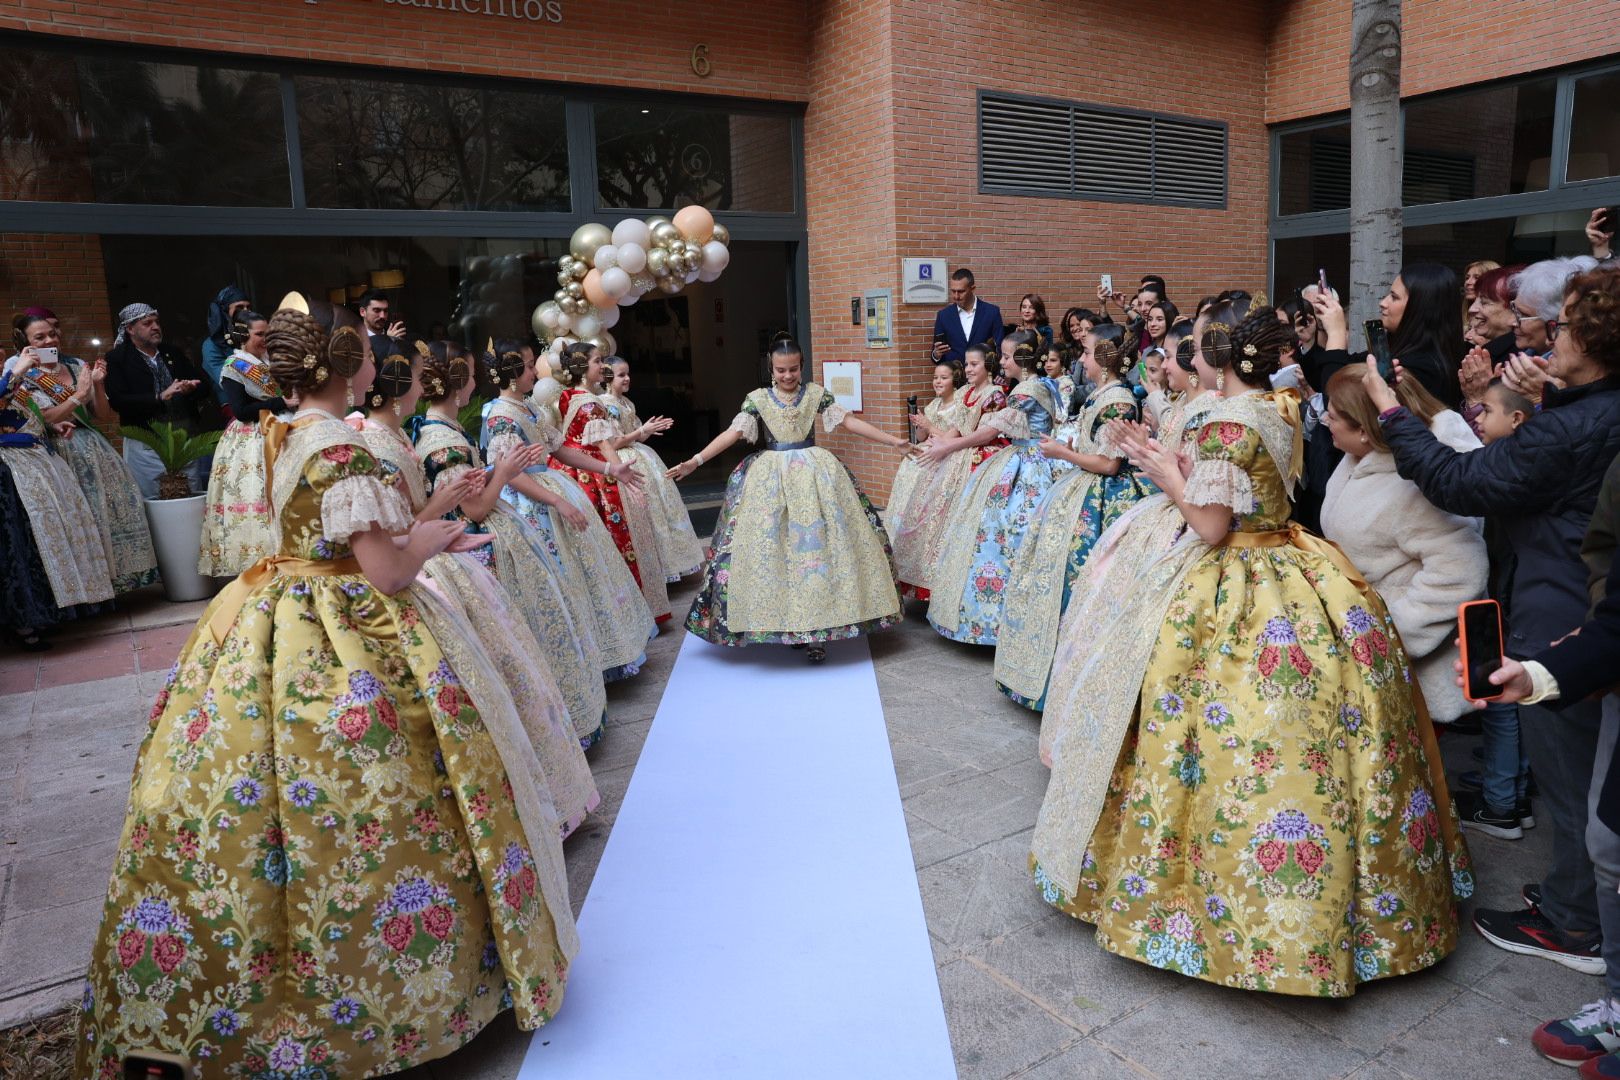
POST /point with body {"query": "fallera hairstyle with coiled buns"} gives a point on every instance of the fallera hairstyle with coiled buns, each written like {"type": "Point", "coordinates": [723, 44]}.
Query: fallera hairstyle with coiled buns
{"type": "Point", "coordinates": [393, 381]}
{"type": "Point", "coordinates": [241, 328]}
{"type": "Point", "coordinates": [1114, 348]}
{"type": "Point", "coordinates": [445, 370]}
{"type": "Point", "coordinates": [992, 359]}
{"type": "Point", "coordinates": [1250, 345]}
{"type": "Point", "coordinates": [304, 357]}
{"type": "Point", "coordinates": [958, 376]}
{"type": "Point", "coordinates": [1026, 349]}
{"type": "Point", "coordinates": [573, 362]}
{"type": "Point", "coordinates": [505, 362]}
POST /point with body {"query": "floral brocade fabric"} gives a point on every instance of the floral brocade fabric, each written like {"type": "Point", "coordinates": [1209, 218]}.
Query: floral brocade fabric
{"type": "Point", "coordinates": [237, 529]}
{"type": "Point", "coordinates": [322, 872]}
{"type": "Point", "coordinates": [1274, 821]}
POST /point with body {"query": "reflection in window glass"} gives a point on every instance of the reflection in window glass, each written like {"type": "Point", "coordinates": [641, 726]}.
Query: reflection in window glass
{"type": "Point", "coordinates": [385, 145]}
{"type": "Point", "coordinates": [662, 158]}
{"type": "Point", "coordinates": [106, 128]}
{"type": "Point", "coordinates": [1313, 170]}
{"type": "Point", "coordinates": [1594, 129]}
{"type": "Point", "coordinates": [1495, 141]}
{"type": "Point", "coordinates": [1296, 261]}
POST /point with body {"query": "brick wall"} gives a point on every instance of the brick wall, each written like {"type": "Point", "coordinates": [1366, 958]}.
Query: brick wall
{"type": "Point", "coordinates": [1445, 44]}
{"type": "Point", "coordinates": [755, 49]}
{"type": "Point", "coordinates": [63, 273]}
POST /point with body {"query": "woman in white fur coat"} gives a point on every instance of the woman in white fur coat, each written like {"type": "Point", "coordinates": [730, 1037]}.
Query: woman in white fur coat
{"type": "Point", "coordinates": [1421, 560]}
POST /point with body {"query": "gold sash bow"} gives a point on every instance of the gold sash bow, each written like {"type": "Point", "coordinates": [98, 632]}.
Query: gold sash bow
{"type": "Point", "coordinates": [1287, 402]}
{"type": "Point", "coordinates": [229, 604]}
{"type": "Point", "coordinates": [1298, 536]}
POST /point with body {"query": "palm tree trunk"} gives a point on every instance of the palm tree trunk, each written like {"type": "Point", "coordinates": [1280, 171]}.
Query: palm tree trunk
{"type": "Point", "coordinates": [1375, 153]}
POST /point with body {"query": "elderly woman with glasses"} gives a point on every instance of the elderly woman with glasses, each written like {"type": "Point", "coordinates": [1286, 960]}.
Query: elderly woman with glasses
{"type": "Point", "coordinates": [1538, 296]}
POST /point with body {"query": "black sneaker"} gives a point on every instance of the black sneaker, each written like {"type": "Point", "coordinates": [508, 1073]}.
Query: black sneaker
{"type": "Point", "coordinates": [1476, 815]}
{"type": "Point", "coordinates": [1529, 933]}
{"type": "Point", "coordinates": [1531, 894]}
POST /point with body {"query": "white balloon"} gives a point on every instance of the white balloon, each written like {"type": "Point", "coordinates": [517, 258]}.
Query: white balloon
{"type": "Point", "coordinates": [693, 275]}
{"type": "Point", "coordinates": [716, 256]}
{"type": "Point", "coordinates": [630, 297]}
{"type": "Point", "coordinates": [606, 257]}
{"type": "Point", "coordinates": [708, 275]}
{"type": "Point", "coordinates": [549, 313]}
{"type": "Point", "coordinates": [632, 231]}
{"type": "Point", "coordinates": [632, 257]}
{"type": "Point", "coordinates": [587, 326]}
{"type": "Point", "coordinates": [565, 321]}
{"type": "Point", "coordinates": [610, 317]}
{"type": "Point", "coordinates": [615, 282]}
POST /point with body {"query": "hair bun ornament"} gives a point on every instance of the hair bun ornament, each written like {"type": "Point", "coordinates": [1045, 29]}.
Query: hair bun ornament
{"type": "Point", "coordinates": [422, 350]}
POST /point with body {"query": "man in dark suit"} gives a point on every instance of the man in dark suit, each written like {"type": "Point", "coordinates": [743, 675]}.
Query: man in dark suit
{"type": "Point", "coordinates": [385, 335]}
{"type": "Point", "coordinates": [967, 321]}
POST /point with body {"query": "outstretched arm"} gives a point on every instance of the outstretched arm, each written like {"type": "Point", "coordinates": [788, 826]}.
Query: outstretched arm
{"type": "Point", "coordinates": [718, 445]}
{"type": "Point", "coordinates": [857, 426]}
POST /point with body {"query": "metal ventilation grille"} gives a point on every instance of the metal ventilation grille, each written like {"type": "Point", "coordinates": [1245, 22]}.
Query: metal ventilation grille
{"type": "Point", "coordinates": [1427, 176]}
{"type": "Point", "coordinates": [1037, 147]}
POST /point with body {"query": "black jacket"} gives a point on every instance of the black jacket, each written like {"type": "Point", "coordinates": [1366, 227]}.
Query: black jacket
{"type": "Point", "coordinates": [130, 392]}
{"type": "Point", "coordinates": [246, 407]}
{"type": "Point", "coordinates": [1437, 374]}
{"type": "Point", "coordinates": [1542, 484]}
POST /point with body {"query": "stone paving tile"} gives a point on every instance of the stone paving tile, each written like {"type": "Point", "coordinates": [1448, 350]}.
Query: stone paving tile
{"type": "Point", "coordinates": [97, 658]}
{"type": "Point", "coordinates": [48, 950]}
{"type": "Point", "coordinates": [978, 808]}
{"type": "Point", "coordinates": [1086, 1060]}
{"type": "Point", "coordinates": [995, 1031]}
{"type": "Point", "coordinates": [976, 898]}
{"type": "Point", "coordinates": [1378, 1013]}
{"type": "Point", "coordinates": [930, 845]}
{"type": "Point", "coordinates": [1472, 1037]}
{"type": "Point", "coordinates": [48, 881]}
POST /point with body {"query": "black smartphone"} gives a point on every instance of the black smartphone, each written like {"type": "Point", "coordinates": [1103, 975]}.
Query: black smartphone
{"type": "Point", "coordinates": [1479, 624]}
{"type": "Point", "coordinates": [1321, 281]}
{"type": "Point", "coordinates": [1378, 345]}
{"type": "Point", "coordinates": [1611, 220]}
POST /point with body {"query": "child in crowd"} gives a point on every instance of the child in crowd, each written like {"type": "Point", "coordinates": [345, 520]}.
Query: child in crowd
{"type": "Point", "coordinates": [1502, 411]}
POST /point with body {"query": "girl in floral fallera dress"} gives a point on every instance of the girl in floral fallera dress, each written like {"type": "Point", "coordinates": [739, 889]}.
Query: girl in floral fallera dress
{"type": "Point", "coordinates": [618, 497]}
{"type": "Point", "coordinates": [799, 556]}
{"type": "Point", "coordinates": [1079, 506]}
{"type": "Point", "coordinates": [988, 525]}
{"type": "Point", "coordinates": [237, 530]}
{"type": "Point", "coordinates": [518, 557]}
{"type": "Point", "coordinates": [1247, 790]}
{"type": "Point", "coordinates": [922, 495]}
{"type": "Point", "coordinates": [337, 861]}
{"type": "Point", "coordinates": [601, 590]}
{"type": "Point", "coordinates": [678, 545]}
{"type": "Point", "coordinates": [471, 591]}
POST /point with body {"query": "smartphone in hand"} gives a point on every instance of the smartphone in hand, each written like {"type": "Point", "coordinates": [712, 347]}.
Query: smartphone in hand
{"type": "Point", "coordinates": [1106, 282]}
{"type": "Point", "coordinates": [1378, 345]}
{"type": "Point", "coordinates": [1479, 626]}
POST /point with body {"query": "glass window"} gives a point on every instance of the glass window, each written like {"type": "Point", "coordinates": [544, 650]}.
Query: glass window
{"type": "Point", "coordinates": [107, 128]}
{"type": "Point", "coordinates": [391, 145]}
{"type": "Point", "coordinates": [661, 158]}
{"type": "Point", "coordinates": [1594, 128]}
{"type": "Point", "coordinates": [1295, 263]}
{"type": "Point", "coordinates": [1313, 170]}
{"type": "Point", "coordinates": [1493, 141]}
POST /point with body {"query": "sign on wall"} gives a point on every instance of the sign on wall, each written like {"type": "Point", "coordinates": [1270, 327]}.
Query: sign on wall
{"type": "Point", "coordinates": [842, 378]}
{"type": "Point", "coordinates": [550, 11]}
{"type": "Point", "coordinates": [923, 281]}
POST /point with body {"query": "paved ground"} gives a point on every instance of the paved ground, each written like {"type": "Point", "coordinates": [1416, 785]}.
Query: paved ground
{"type": "Point", "coordinates": [1027, 992]}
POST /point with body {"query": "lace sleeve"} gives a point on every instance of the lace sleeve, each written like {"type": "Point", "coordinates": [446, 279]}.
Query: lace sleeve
{"type": "Point", "coordinates": [355, 504]}
{"type": "Point", "coordinates": [1012, 423]}
{"type": "Point", "coordinates": [1220, 482]}
{"type": "Point", "coordinates": [597, 429]}
{"type": "Point", "coordinates": [503, 442]}
{"type": "Point", "coordinates": [832, 415]}
{"type": "Point", "coordinates": [746, 424]}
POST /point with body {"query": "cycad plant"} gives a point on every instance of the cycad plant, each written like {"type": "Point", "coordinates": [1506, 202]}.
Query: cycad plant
{"type": "Point", "coordinates": [175, 449]}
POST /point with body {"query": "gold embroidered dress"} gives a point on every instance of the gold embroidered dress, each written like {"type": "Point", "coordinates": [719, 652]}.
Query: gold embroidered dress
{"type": "Point", "coordinates": [519, 561]}
{"type": "Point", "coordinates": [596, 582]}
{"type": "Point", "coordinates": [799, 555]}
{"type": "Point", "coordinates": [921, 499]}
{"type": "Point", "coordinates": [338, 859]}
{"type": "Point", "coordinates": [237, 528]}
{"type": "Point", "coordinates": [678, 545]}
{"type": "Point", "coordinates": [464, 587]}
{"type": "Point", "coordinates": [109, 489]}
{"type": "Point", "coordinates": [1243, 787]}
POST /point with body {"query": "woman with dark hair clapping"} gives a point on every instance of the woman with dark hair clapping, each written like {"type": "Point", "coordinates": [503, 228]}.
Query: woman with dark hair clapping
{"type": "Point", "coordinates": [1422, 314]}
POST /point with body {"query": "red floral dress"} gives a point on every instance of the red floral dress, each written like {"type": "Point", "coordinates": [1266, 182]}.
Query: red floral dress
{"type": "Point", "coordinates": [997, 399]}
{"type": "Point", "coordinates": [584, 425]}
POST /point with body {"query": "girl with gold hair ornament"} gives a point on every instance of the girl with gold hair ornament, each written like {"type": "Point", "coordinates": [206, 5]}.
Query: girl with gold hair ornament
{"type": "Point", "coordinates": [237, 529]}
{"type": "Point", "coordinates": [338, 857]}
{"type": "Point", "coordinates": [1245, 786]}
{"type": "Point", "coordinates": [987, 526]}
{"type": "Point", "coordinates": [601, 590]}
{"type": "Point", "coordinates": [799, 556]}
{"type": "Point", "coordinates": [1082, 503]}
{"type": "Point", "coordinates": [678, 546]}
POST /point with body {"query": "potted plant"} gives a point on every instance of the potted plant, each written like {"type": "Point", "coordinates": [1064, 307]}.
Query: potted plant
{"type": "Point", "coordinates": [176, 515]}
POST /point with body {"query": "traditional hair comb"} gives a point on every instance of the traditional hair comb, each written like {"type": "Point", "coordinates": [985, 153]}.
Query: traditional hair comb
{"type": "Point", "coordinates": [423, 351]}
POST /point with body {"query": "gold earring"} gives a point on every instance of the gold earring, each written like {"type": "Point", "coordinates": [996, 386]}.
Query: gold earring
{"type": "Point", "coordinates": [348, 392]}
{"type": "Point", "coordinates": [1192, 379]}
{"type": "Point", "coordinates": [396, 409]}
{"type": "Point", "coordinates": [1220, 381]}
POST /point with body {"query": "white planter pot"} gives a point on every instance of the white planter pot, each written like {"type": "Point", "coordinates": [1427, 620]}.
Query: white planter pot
{"type": "Point", "coordinates": [177, 536]}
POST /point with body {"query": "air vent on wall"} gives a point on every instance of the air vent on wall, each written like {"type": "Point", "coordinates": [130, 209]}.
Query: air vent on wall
{"type": "Point", "coordinates": [1032, 146]}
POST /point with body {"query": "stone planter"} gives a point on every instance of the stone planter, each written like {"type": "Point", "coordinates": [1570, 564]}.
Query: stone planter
{"type": "Point", "coordinates": [177, 534]}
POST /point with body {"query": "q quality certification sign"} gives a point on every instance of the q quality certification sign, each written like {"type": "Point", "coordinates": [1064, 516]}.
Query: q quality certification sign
{"type": "Point", "coordinates": [922, 281]}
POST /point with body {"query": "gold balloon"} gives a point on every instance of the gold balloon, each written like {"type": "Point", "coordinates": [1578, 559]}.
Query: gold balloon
{"type": "Point", "coordinates": [667, 235]}
{"type": "Point", "coordinates": [670, 285]}
{"type": "Point", "coordinates": [722, 234]}
{"type": "Point", "coordinates": [587, 238]}
{"type": "Point", "coordinates": [576, 290]}
{"type": "Point", "coordinates": [541, 330]}
{"type": "Point", "coordinates": [560, 295]}
{"type": "Point", "coordinates": [694, 252]}
{"type": "Point", "coordinates": [654, 222]}
{"type": "Point", "coordinates": [658, 262]}
{"type": "Point", "coordinates": [645, 281]}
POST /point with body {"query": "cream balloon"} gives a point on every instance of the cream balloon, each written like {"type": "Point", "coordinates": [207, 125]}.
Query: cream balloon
{"type": "Point", "coordinates": [606, 257]}
{"type": "Point", "coordinates": [544, 321]}
{"type": "Point", "coordinates": [632, 231]}
{"type": "Point", "coordinates": [588, 325]}
{"type": "Point", "coordinates": [587, 238]}
{"type": "Point", "coordinates": [722, 234]}
{"type": "Point", "coordinates": [708, 275]}
{"type": "Point", "coordinates": [615, 282]}
{"type": "Point", "coordinates": [598, 296]}
{"type": "Point", "coordinates": [696, 223]}
{"type": "Point", "coordinates": [716, 256]}
{"type": "Point", "coordinates": [693, 275]}
{"type": "Point", "coordinates": [565, 321]}
{"type": "Point", "coordinates": [633, 257]}
{"type": "Point", "coordinates": [609, 316]}
{"type": "Point", "coordinates": [547, 313]}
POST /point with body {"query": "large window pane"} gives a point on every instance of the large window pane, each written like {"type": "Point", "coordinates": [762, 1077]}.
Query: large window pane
{"type": "Point", "coordinates": [1296, 261]}
{"type": "Point", "coordinates": [1313, 170]}
{"type": "Point", "coordinates": [106, 128]}
{"type": "Point", "coordinates": [376, 144]}
{"type": "Point", "coordinates": [1495, 141]}
{"type": "Point", "coordinates": [1594, 129]}
{"type": "Point", "coordinates": [660, 158]}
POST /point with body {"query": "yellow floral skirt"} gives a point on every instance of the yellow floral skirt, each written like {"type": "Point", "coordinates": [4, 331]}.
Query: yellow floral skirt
{"type": "Point", "coordinates": [237, 530]}
{"type": "Point", "coordinates": [322, 869]}
{"type": "Point", "coordinates": [1277, 819]}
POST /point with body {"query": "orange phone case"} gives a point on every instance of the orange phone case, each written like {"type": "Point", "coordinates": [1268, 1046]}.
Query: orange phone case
{"type": "Point", "coordinates": [1462, 642]}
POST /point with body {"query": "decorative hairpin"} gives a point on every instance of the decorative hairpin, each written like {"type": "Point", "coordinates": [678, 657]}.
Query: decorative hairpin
{"type": "Point", "coordinates": [1250, 350]}
{"type": "Point", "coordinates": [320, 375]}
{"type": "Point", "coordinates": [309, 360]}
{"type": "Point", "coordinates": [422, 350]}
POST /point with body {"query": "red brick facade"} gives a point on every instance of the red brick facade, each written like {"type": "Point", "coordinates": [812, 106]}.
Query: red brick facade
{"type": "Point", "coordinates": [890, 128]}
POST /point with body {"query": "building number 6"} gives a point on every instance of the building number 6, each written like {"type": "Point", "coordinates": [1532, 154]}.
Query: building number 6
{"type": "Point", "coordinates": [700, 61]}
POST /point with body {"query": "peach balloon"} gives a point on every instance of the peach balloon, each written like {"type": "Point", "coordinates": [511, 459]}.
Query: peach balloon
{"type": "Point", "coordinates": [695, 223]}
{"type": "Point", "coordinates": [594, 291]}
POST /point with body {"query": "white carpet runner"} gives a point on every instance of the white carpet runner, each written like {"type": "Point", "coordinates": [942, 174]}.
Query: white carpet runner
{"type": "Point", "coordinates": [755, 913]}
